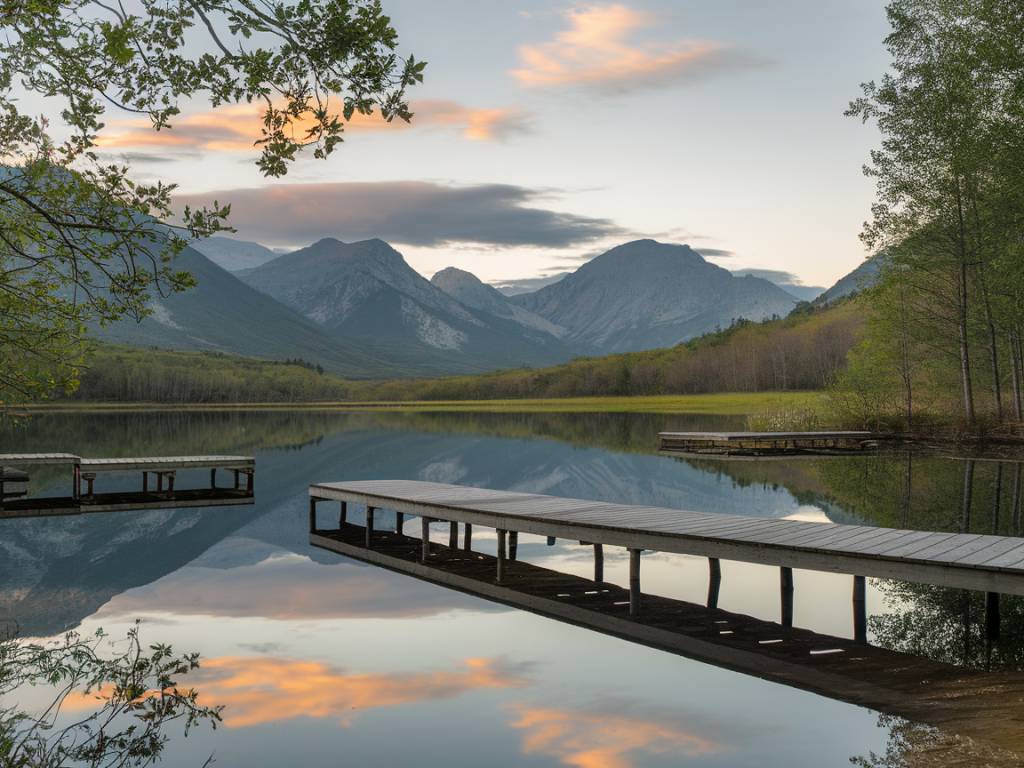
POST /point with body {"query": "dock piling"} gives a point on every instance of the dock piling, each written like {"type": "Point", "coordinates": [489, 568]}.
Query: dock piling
{"type": "Point", "coordinates": [992, 616]}
{"type": "Point", "coordinates": [369, 526]}
{"type": "Point", "coordinates": [513, 544]}
{"type": "Point", "coordinates": [467, 539]}
{"type": "Point", "coordinates": [501, 556]}
{"type": "Point", "coordinates": [598, 562]}
{"type": "Point", "coordinates": [399, 522]}
{"type": "Point", "coordinates": [312, 513]}
{"type": "Point", "coordinates": [714, 581]}
{"type": "Point", "coordinates": [343, 514]}
{"type": "Point", "coordinates": [453, 535]}
{"type": "Point", "coordinates": [860, 615]}
{"type": "Point", "coordinates": [425, 527]}
{"type": "Point", "coordinates": [786, 590]}
{"type": "Point", "coordinates": [634, 582]}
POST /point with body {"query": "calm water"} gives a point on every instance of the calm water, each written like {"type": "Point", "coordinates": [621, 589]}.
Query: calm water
{"type": "Point", "coordinates": [325, 660]}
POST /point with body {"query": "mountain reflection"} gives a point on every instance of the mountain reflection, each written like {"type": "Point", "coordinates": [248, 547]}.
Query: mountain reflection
{"type": "Point", "coordinates": [589, 739]}
{"type": "Point", "coordinates": [260, 690]}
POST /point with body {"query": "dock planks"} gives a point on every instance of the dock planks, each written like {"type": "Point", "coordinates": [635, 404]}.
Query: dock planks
{"type": "Point", "coordinates": [967, 561]}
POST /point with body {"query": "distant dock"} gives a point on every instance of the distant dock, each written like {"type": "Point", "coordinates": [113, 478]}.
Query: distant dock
{"type": "Point", "coordinates": [755, 444]}
{"type": "Point", "coordinates": [158, 476]}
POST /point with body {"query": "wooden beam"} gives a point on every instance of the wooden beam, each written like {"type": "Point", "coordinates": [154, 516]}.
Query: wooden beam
{"type": "Point", "coordinates": [860, 613]}
{"type": "Point", "coordinates": [634, 582]}
{"type": "Point", "coordinates": [369, 526]}
{"type": "Point", "coordinates": [786, 591]}
{"type": "Point", "coordinates": [501, 556]}
{"type": "Point", "coordinates": [714, 581]}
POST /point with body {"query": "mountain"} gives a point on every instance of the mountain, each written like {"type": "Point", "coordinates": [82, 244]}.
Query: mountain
{"type": "Point", "coordinates": [365, 293]}
{"type": "Point", "coordinates": [234, 255]}
{"type": "Point", "coordinates": [645, 294]}
{"type": "Point", "coordinates": [863, 276]}
{"type": "Point", "coordinates": [527, 284]}
{"type": "Point", "coordinates": [469, 290]}
{"type": "Point", "coordinates": [224, 314]}
{"type": "Point", "coordinates": [787, 281]}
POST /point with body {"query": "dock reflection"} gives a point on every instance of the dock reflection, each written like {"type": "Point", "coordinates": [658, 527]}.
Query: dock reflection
{"type": "Point", "coordinates": [977, 705]}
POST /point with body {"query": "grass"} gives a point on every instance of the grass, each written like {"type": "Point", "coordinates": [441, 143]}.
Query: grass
{"type": "Point", "coordinates": [721, 404]}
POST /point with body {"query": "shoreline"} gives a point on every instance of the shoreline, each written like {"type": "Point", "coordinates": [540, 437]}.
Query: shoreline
{"type": "Point", "coordinates": [718, 404]}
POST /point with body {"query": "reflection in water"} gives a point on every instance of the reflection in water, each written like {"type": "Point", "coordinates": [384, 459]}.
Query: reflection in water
{"type": "Point", "coordinates": [259, 690]}
{"type": "Point", "coordinates": [590, 739]}
{"type": "Point", "coordinates": [233, 582]}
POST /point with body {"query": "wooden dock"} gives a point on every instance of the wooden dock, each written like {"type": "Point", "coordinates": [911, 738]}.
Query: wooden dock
{"type": "Point", "coordinates": [993, 564]}
{"type": "Point", "coordinates": [983, 706]}
{"type": "Point", "coordinates": [161, 494]}
{"type": "Point", "coordinates": [768, 443]}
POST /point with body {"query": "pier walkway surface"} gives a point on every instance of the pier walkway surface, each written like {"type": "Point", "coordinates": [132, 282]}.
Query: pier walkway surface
{"type": "Point", "coordinates": [164, 469]}
{"type": "Point", "coordinates": [993, 564]}
{"type": "Point", "coordinates": [985, 707]}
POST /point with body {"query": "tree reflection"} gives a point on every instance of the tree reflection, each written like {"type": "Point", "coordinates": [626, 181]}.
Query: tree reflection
{"type": "Point", "coordinates": [99, 704]}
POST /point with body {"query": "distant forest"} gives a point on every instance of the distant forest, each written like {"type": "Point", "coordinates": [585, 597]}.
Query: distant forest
{"type": "Point", "coordinates": [801, 352]}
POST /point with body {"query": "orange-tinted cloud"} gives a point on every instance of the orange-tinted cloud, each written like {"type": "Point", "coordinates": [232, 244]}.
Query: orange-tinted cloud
{"type": "Point", "coordinates": [595, 50]}
{"type": "Point", "coordinates": [236, 127]}
{"type": "Point", "coordinates": [257, 690]}
{"type": "Point", "coordinates": [598, 740]}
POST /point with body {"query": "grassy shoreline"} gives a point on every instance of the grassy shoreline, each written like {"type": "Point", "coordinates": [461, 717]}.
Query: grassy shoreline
{"type": "Point", "coordinates": [723, 404]}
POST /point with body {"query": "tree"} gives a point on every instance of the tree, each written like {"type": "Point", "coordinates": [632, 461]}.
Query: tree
{"type": "Point", "coordinates": [124, 702]}
{"type": "Point", "coordinates": [80, 241]}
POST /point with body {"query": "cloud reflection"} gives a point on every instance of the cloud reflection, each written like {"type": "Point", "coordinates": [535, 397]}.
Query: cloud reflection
{"type": "Point", "coordinates": [599, 740]}
{"type": "Point", "coordinates": [259, 690]}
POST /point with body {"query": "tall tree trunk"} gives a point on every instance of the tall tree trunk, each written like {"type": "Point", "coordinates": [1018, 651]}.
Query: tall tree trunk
{"type": "Point", "coordinates": [1017, 364]}
{"type": "Point", "coordinates": [965, 352]}
{"type": "Point", "coordinates": [993, 344]}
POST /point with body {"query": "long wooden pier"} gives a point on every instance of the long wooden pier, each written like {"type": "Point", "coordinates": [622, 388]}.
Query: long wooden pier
{"type": "Point", "coordinates": [992, 564]}
{"type": "Point", "coordinates": [983, 706]}
{"type": "Point", "coordinates": [162, 493]}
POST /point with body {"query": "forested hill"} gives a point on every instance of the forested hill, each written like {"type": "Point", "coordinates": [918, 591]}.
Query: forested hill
{"type": "Point", "coordinates": [801, 352]}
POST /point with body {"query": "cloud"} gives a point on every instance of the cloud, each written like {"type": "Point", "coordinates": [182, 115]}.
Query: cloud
{"type": "Point", "coordinates": [409, 212]}
{"type": "Point", "coordinates": [772, 275]}
{"type": "Point", "coordinates": [715, 253]}
{"type": "Point", "coordinates": [236, 127]}
{"type": "Point", "coordinates": [597, 740]}
{"type": "Point", "coordinates": [595, 50]}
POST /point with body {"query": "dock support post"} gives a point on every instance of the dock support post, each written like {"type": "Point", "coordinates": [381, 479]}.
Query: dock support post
{"type": "Point", "coordinates": [598, 562]}
{"type": "Point", "coordinates": [992, 617]}
{"type": "Point", "coordinates": [145, 481]}
{"type": "Point", "coordinates": [343, 514]}
{"type": "Point", "coordinates": [634, 582]}
{"type": "Point", "coordinates": [425, 526]}
{"type": "Point", "coordinates": [551, 541]}
{"type": "Point", "coordinates": [501, 556]}
{"type": "Point", "coordinates": [453, 535]}
{"type": "Point", "coordinates": [860, 613]}
{"type": "Point", "coordinates": [467, 539]}
{"type": "Point", "coordinates": [513, 544]}
{"type": "Point", "coordinates": [786, 590]}
{"type": "Point", "coordinates": [369, 526]}
{"type": "Point", "coordinates": [213, 477]}
{"type": "Point", "coordinates": [714, 581]}
{"type": "Point", "coordinates": [312, 513]}
{"type": "Point", "coordinates": [399, 522]}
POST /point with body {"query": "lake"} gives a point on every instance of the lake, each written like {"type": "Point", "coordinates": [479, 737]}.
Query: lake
{"type": "Point", "coordinates": [320, 659]}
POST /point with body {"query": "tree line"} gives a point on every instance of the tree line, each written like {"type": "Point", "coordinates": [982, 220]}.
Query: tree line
{"type": "Point", "coordinates": [945, 324]}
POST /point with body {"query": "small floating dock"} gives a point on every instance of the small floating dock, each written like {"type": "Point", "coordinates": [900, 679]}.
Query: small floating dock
{"type": "Point", "coordinates": [756, 444]}
{"type": "Point", "coordinates": [158, 478]}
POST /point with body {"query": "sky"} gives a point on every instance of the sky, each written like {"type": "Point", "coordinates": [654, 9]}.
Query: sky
{"type": "Point", "coordinates": [547, 132]}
